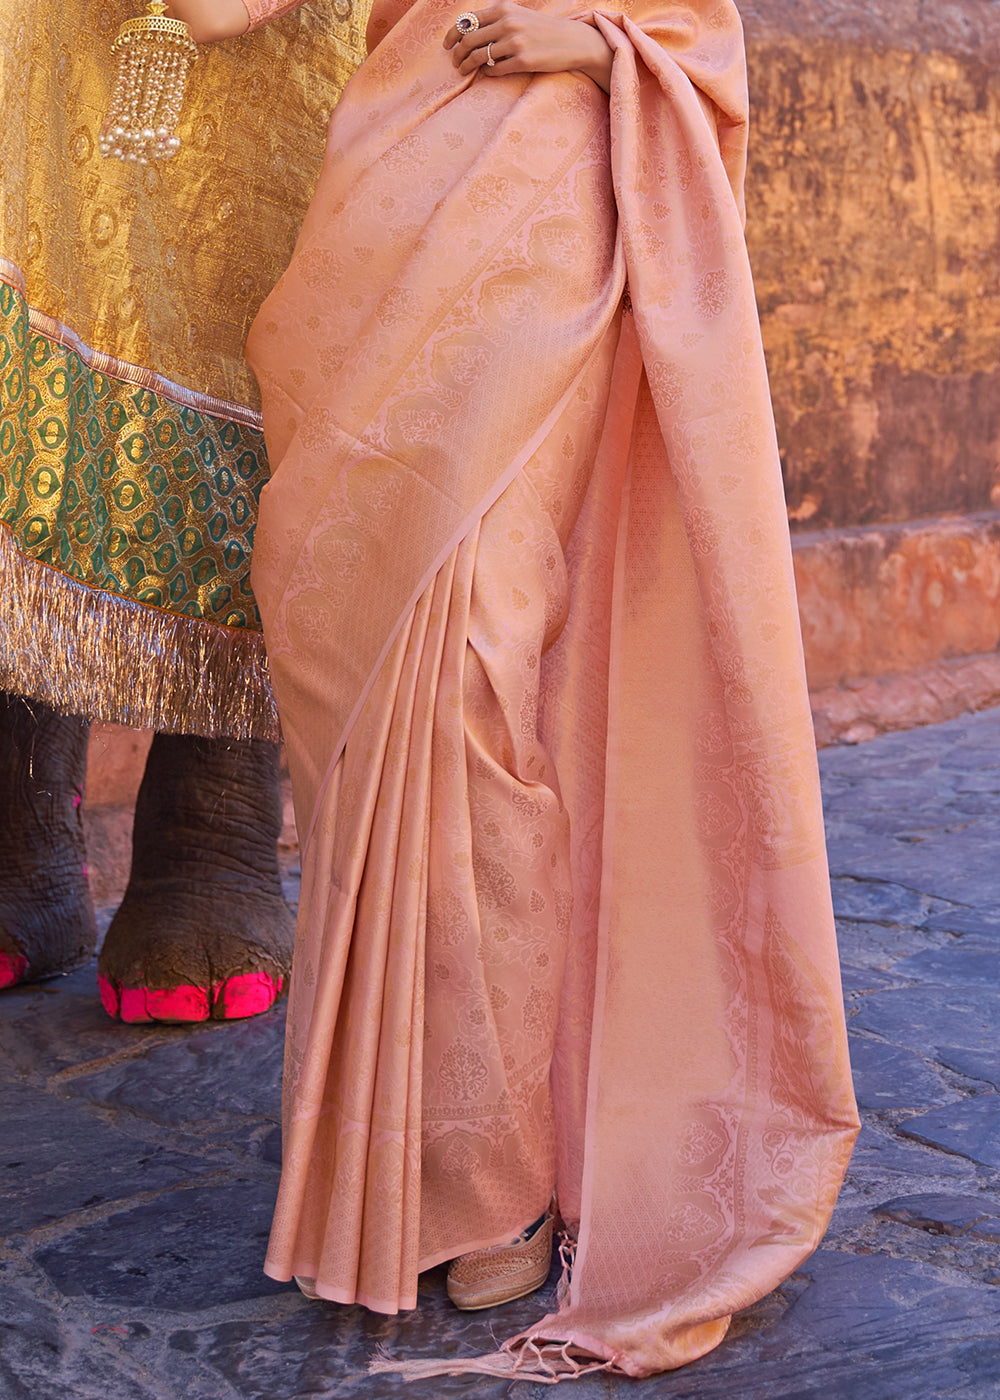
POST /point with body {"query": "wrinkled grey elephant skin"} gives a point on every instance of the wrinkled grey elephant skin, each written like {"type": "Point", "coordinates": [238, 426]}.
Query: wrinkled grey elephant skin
{"type": "Point", "coordinates": [203, 904]}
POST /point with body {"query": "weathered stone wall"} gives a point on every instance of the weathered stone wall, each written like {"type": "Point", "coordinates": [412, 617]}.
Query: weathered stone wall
{"type": "Point", "coordinates": [892, 598]}
{"type": "Point", "coordinates": [874, 231]}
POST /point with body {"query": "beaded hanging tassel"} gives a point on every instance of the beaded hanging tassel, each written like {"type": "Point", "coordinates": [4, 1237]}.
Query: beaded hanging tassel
{"type": "Point", "coordinates": [154, 55]}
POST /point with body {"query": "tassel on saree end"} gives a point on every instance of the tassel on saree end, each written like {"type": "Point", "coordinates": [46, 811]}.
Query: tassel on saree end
{"type": "Point", "coordinates": [495, 1364]}
{"type": "Point", "coordinates": [545, 1363]}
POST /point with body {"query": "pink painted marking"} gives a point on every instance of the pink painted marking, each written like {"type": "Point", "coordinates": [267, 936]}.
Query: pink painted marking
{"type": "Point", "coordinates": [77, 799]}
{"type": "Point", "coordinates": [109, 995]}
{"type": "Point", "coordinates": [12, 968]}
{"type": "Point", "coordinates": [184, 1003]}
{"type": "Point", "coordinates": [86, 872]}
{"type": "Point", "coordinates": [248, 994]}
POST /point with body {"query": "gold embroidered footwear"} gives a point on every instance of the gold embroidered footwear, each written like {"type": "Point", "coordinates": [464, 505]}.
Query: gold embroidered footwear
{"type": "Point", "coordinates": [486, 1277]}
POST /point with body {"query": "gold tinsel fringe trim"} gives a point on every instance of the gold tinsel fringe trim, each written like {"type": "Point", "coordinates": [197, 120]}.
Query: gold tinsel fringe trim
{"type": "Point", "coordinates": [104, 656]}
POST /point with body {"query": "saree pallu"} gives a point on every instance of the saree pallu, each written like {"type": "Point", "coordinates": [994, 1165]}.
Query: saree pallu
{"type": "Point", "coordinates": [526, 587]}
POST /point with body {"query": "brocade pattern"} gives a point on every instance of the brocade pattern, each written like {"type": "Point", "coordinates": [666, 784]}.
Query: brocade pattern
{"type": "Point", "coordinates": [565, 908]}
{"type": "Point", "coordinates": [120, 489]}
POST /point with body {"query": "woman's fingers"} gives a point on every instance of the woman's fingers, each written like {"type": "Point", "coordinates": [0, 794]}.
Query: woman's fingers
{"type": "Point", "coordinates": [523, 40]}
{"type": "Point", "coordinates": [480, 58]}
{"type": "Point", "coordinates": [469, 52]}
{"type": "Point", "coordinates": [469, 57]}
{"type": "Point", "coordinates": [489, 14]}
{"type": "Point", "coordinates": [500, 25]}
{"type": "Point", "coordinates": [452, 37]}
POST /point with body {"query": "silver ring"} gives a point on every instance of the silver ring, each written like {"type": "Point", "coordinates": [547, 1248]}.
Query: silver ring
{"type": "Point", "coordinates": [490, 60]}
{"type": "Point", "coordinates": [467, 23]}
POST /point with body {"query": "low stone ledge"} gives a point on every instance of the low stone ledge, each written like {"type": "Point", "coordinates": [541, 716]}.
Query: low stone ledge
{"type": "Point", "coordinates": [887, 599]}
{"type": "Point", "coordinates": [864, 708]}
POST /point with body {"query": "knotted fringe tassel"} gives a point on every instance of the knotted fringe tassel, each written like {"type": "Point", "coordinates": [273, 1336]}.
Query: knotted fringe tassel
{"type": "Point", "coordinates": [525, 1359]}
{"type": "Point", "coordinates": [567, 1258]}
{"type": "Point", "coordinates": [86, 652]}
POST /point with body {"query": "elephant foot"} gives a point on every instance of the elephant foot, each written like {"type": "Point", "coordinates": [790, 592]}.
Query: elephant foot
{"type": "Point", "coordinates": [47, 922]}
{"type": "Point", "coordinates": [25, 957]}
{"type": "Point", "coordinates": [203, 932]}
{"type": "Point", "coordinates": [162, 962]}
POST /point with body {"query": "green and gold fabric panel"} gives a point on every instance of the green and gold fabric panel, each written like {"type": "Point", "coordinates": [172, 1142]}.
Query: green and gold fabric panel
{"type": "Point", "coordinates": [120, 488]}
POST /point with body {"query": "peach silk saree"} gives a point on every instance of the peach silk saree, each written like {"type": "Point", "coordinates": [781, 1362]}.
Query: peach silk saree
{"type": "Point", "coordinates": [527, 594]}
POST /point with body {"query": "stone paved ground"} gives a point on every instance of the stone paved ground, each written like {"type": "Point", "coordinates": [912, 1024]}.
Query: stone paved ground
{"type": "Point", "coordinates": [138, 1167]}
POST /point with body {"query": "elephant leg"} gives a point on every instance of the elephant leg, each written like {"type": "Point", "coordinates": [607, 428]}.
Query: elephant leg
{"type": "Point", "coordinates": [203, 931]}
{"type": "Point", "coordinates": [46, 913]}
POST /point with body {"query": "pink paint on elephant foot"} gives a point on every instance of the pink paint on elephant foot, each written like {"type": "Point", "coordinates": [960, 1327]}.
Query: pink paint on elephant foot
{"type": "Point", "coordinates": [247, 994]}
{"type": "Point", "coordinates": [13, 968]}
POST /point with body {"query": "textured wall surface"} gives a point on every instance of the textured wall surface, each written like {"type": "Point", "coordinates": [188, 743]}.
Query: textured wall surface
{"type": "Point", "coordinates": [891, 598]}
{"type": "Point", "coordinates": [874, 231]}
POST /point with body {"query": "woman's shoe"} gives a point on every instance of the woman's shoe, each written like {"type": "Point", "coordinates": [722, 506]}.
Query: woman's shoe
{"type": "Point", "coordinates": [485, 1277]}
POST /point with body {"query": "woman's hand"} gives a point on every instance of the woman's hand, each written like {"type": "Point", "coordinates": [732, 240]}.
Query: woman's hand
{"type": "Point", "coordinates": [211, 20]}
{"type": "Point", "coordinates": [519, 40]}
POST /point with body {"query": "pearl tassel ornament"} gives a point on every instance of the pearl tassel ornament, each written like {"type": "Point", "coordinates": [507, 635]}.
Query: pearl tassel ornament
{"type": "Point", "coordinates": [154, 54]}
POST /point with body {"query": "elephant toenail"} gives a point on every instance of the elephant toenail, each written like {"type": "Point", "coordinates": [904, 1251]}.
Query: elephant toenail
{"type": "Point", "coordinates": [12, 969]}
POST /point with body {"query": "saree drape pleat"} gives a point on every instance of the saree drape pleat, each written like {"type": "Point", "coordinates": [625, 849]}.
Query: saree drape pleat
{"type": "Point", "coordinates": [526, 586]}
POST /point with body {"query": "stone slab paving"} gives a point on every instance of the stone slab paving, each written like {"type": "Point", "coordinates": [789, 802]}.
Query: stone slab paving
{"type": "Point", "coordinates": [138, 1167]}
